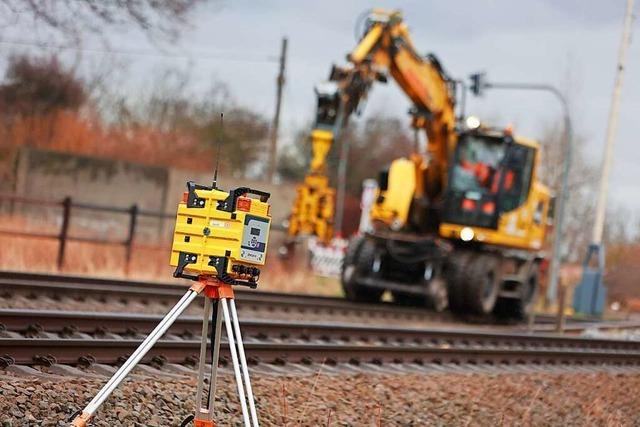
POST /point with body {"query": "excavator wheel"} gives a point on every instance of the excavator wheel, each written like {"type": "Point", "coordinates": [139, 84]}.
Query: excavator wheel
{"type": "Point", "coordinates": [438, 300]}
{"type": "Point", "coordinates": [453, 272]}
{"type": "Point", "coordinates": [472, 283]}
{"type": "Point", "coordinates": [481, 284]}
{"type": "Point", "coordinates": [358, 260]}
{"type": "Point", "coordinates": [519, 309]}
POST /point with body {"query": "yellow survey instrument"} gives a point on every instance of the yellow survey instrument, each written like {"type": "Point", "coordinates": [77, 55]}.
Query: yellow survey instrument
{"type": "Point", "coordinates": [222, 234]}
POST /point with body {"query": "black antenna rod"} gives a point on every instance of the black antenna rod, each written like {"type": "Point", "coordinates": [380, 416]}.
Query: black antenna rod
{"type": "Point", "coordinates": [220, 137]}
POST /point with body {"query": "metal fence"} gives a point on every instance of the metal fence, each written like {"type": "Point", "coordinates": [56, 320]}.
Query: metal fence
{"type": "Point", "coordinates": [132, 222]}
{"type": "Point", "coordinates": [132, 215]}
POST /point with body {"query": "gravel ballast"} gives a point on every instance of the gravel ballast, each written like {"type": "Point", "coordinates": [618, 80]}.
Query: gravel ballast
{"type": "Point", "coordinates": [571, 399]}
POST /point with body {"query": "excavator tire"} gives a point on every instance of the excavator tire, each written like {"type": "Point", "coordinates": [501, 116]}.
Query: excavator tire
{"type": "Point", "coordinates": [358, 260]}
{"type": "Point", "coordinates": [454, 275]}
{"type": "Point", "coordinates": [519, 309]}
{"type": "Point", "coordinates": [473, 283]}
{"type": "Point", "coordinates": [481, 284]}
{"type": "Point", "coordinates": [438, 300]}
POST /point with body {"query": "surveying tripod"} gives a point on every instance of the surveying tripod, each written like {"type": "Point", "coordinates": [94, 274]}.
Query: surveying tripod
{"type": "Point", "coordinates": [216, 294]}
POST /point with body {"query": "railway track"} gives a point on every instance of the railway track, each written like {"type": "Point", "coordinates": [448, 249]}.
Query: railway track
{"type": "Point", "coordinates": [36, 285]}
{"type": "Point", "coordinates": [80, 288]}
{"type": "Point", "coordinates": [80, 339]}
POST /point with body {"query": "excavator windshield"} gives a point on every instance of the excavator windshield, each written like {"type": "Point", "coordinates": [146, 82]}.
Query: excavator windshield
{"type": "Point", "coordinates": [489, 175]}
{"type": "Point", "coordinates": [476, 164]}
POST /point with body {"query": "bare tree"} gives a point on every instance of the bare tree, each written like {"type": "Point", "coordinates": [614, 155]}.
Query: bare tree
{"type": "Point", "coordinates": [374, 145]}
{"type": "Point", "coordinates": [71, 18]}
{"type": "Point", "coordinates": [171, 105]}
{"type": "Point", "coordinates": [35, 86]}
{"type": "Point", "coordinates": [294, 158]}
{"type": "Point", "coordinates": [582, 182]}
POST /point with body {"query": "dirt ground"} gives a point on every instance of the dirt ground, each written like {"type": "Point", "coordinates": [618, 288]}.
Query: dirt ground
{"type": "Point", "coordinates": [571, 399]}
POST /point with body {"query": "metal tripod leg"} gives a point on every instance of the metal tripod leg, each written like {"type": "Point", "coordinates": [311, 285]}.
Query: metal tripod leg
{"type": "Point", "coordinates": [243, 363]}
{"type": "Point", "coordinates": [204, 415]}
{"type": "Point", "coordinates": [236, 366]}
{"type": "Point", "coordinates": [132, 361]}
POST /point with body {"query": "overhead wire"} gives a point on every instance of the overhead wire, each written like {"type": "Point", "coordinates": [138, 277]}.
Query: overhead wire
{"type": "Point", "coordinates": [221, 56]}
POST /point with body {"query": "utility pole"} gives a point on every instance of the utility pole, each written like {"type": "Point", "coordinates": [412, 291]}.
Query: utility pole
{"type": "Point", "coordinates": [342, 184]}
{"type": "Point", "coordinates": [273, 149]}
{"type": "Point", "coordinates": [590, 294]}
{"type": "Point", "coordinates": [612, 126]}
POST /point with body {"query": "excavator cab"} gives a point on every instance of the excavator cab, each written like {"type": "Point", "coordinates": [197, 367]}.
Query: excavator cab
{"type": "Point", "coordinates": [489, 175]}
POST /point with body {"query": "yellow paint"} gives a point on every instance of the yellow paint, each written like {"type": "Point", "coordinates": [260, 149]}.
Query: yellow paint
{"type": "Point", "coordinates": [225, 232]}
{"type": "Point", "coordinates": [396, 201]}
{"type": "Point", "coordinates": [321, 141]}
{"type": "Point", "coordinates": [313, 209]}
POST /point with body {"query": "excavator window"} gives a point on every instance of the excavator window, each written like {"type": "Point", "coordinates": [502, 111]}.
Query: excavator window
{"type": "Point", "coordinates": [517, 170]}
{"type": "Point", "coordinates": [478, 160]}
{"type": "Point", "coordinates": [488, 177]}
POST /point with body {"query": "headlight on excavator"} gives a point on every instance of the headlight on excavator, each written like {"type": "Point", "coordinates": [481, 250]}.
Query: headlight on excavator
{"type": "Point", "coordinates": [472, 122]}
{"type": "Point", "coordinates": [466, 234]}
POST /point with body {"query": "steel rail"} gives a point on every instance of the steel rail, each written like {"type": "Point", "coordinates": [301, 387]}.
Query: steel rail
{"type": "Point", "coordinates": [39, 323]}
{"type": "Point", "coordinates": [90, 287]}
{"type": "Point", "coordinates": [35, 351]}
{"type": "Point", "coordinates": [101, 288]}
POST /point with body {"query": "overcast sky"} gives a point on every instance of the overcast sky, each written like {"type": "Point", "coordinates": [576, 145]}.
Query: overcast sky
{"type": "Point", "coordinates": [571, 43]}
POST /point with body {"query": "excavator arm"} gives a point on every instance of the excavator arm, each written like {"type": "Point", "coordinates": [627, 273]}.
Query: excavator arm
{"type": "Point", "coordinates": [384, 49]}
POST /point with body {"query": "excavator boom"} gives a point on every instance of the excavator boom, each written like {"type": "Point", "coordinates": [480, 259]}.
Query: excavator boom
{"type": "Point", "coordinates": [384, 49]}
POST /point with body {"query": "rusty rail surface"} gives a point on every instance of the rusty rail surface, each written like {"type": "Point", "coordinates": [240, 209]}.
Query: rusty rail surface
{"type": "Point", "coordinates": [39, 285]}
{"type": "Point", "coordinates": [41, 323]}
{"type": "Point", "coordinates": [33, 337]}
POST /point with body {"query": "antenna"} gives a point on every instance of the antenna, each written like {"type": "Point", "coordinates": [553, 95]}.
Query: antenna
{"type": "Point", "coordinates": [220, 137]}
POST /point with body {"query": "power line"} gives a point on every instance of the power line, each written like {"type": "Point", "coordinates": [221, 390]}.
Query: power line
{"type": "Point", "coordinates": [222, 56]}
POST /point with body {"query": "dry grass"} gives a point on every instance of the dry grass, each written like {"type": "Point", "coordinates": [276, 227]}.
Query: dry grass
{"type": "Point", "coordinates": [147, 263]}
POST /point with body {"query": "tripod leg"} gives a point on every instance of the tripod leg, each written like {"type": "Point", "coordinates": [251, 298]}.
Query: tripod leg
{"type": "Point", "coordinates": [243, 363]}
{"type": "Point", "coordinates": [216, 354]}
{"type": "Point", "coordinates": [203, 357]}
{"type": "Point", "coordinates": [205, 415]}
{"type": "Point", "coordinates": [133, 360]}
{"type": "Point", "coordinates": [234, 358]}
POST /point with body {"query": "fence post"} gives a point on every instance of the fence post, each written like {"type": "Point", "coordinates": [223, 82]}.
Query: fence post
{"type": "Point", "coordinates": [64, 231]}
{"type": "Point", "coordinates": [133, 212]}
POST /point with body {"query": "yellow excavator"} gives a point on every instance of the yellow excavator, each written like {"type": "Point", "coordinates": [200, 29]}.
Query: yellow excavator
{"type": "Point", "coordinates": [461, 223]}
